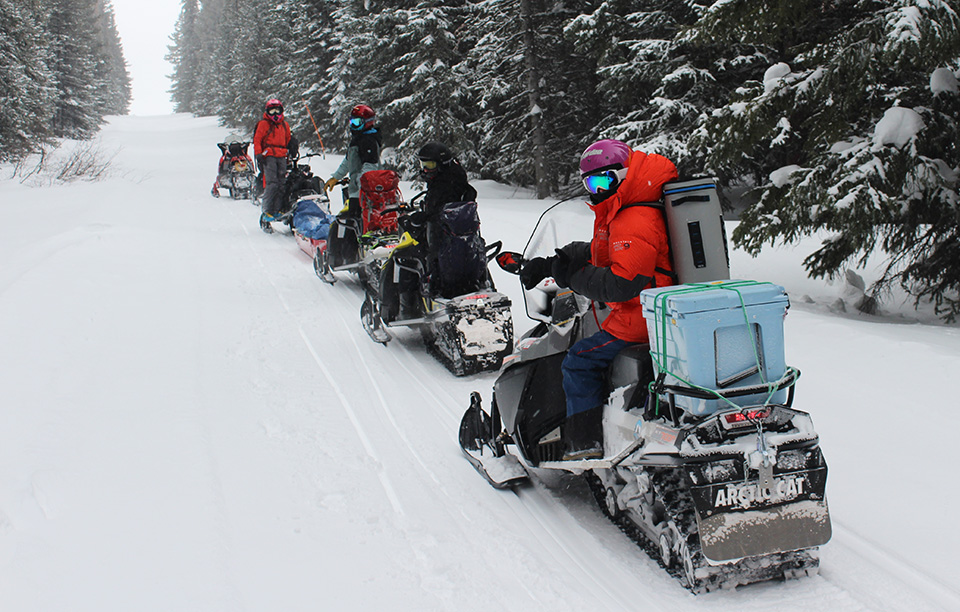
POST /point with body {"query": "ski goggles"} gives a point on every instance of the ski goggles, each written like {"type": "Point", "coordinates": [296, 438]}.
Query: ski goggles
{"type": "Point", "coordinates": [357, 122]}
{"type": "Point", "coordinates": [604, 181]}
{"type": "Point", "coordinates": [428, 164]}
{"type": "Point", "coordinates": [275, 111]}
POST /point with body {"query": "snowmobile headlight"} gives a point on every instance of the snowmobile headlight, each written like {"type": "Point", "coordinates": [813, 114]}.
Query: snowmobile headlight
{"type": "Point", "coordinates": [722, 471]}
{"type": "Point", "coordinates": [792, 460]}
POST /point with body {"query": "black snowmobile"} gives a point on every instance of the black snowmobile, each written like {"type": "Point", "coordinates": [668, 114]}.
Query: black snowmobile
{"type": "Point", "coordinates": [350, 253]}
{"type": "Point", "coordinates": [706, 463]}
{"type": "Point", "coordinates": [298, 182]}
{"type": "Point", "coordinates": [465, 323]}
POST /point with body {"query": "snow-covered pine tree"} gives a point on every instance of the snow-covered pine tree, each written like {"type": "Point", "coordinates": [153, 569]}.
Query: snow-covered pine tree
{"type": "Point", "coordinates": [304, 78]}
{"type": "Point", "coordinates": [71, 26]}
{"type": "Point", "coordinates": [365, 57]}
{"type": "Point", "coordinates": [534, 111]}
{"type": "Point", "coordinates": [184, 55]}
{"type": "Point", "coordinates": [211, 78]}
{"type": "Point", "coordinates": [26, 83]}
{"type": "Point", "coordinates": [652, 88]}
{"type": "Point", "coordinates": [434, 101]}
{"type": "Point", "coordinates": [116, 91]}
{"type": "Point", "coordinates": [253, 56]}
{"type": "Point", "coordinates": [856, 137]}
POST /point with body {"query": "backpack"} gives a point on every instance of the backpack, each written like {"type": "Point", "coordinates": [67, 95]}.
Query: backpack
{"type": "Point", "coordinates": [460, 252]}
{"type": "Point", "coordinates": [378, 190]}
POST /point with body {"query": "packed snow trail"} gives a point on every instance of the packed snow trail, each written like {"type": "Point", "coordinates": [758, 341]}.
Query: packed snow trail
{"type": "Point", "coordinates": [192, 420]}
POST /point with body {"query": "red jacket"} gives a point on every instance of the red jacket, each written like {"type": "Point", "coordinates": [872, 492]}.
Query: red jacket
{"type": "Point", "coordinates": [271, 139]}
{"type": "Point", "coordinates": [632, 240]}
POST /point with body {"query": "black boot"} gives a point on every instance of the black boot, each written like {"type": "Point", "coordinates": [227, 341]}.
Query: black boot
{"type": "Point", "coordinates": [583, 435]}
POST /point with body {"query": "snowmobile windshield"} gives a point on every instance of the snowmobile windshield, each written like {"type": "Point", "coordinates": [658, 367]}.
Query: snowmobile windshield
{"type": "Point", "coordinates": [561, 224]}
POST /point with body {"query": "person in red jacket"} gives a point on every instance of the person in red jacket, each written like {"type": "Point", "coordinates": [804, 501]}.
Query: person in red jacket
{"type": "Point", "coordinates": [629, 252]}
{"type": "Point", "coordinates": [270, 143]}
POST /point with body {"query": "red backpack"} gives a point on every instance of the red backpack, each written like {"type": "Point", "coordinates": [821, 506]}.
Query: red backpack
{"type": "Point", "coordinates": [378, 190]}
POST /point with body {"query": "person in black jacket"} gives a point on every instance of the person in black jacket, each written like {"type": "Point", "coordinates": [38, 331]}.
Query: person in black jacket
{"type": "Point", "coordinates": [446, 183]}
{"type": "Point", "coordinates": [445, 178]}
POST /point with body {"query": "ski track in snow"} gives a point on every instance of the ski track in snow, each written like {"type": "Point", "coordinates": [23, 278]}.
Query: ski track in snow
{"type": "Point", "coordinates": [333, 479]}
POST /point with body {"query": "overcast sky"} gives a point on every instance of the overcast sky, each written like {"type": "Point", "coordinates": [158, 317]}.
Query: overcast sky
{"type": "Point", "coordinates": [145, 27]}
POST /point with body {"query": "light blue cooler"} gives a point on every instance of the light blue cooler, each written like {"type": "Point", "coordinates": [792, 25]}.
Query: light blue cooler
{"type": "Point", "coordinates": [699, 334]}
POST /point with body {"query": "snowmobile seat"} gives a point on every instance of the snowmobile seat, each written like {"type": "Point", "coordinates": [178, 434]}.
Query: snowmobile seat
{"type": "Point", "coordinates": [632, 367]}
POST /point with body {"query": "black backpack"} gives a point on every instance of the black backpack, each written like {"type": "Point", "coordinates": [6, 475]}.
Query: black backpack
{"type": "Point", "coordinates": [461, 252]}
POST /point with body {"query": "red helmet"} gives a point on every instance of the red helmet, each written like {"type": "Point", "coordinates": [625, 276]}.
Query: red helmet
{"type": "Point", "coordinates": [361, 117]}
{"type": "Point", "coordinates": [273, 110]}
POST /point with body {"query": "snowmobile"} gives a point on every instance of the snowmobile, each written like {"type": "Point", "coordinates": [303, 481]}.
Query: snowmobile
{"type": "Point", "coordinates": [348, 229]}
{"type": "Point", "coordinates": [235, 170]}
{"type": "Point", "coordinates": [298, 182]}
{"type": "Point", "coordinates": [706, 465]}
{"type": "Point", "coordinates": [468, 332]}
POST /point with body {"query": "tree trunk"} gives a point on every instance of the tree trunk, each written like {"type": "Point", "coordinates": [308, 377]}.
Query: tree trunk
{"type": "Point", "coordinates": [533, 93]}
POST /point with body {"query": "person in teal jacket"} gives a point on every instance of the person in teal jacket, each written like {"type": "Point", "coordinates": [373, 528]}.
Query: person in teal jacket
{"type": "Point", "coordinates": [363, 155]}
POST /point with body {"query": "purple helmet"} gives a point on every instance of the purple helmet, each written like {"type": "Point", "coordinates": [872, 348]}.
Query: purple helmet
{"type": "Point", "coordinates": [604, 155]}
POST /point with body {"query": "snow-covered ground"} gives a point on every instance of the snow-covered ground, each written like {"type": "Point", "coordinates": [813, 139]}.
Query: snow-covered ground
{"type": "Point", "coordinates": [191, 420]}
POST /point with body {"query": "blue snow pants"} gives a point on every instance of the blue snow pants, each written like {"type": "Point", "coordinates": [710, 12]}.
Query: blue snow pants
{"type": "Point", "coordinates": [585, 371]}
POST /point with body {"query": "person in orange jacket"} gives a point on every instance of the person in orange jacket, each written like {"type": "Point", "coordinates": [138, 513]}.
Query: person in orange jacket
{"type": "Point", "coordinates": [270, 146]}
{"type": "Point", "coordinates": [629, 252]}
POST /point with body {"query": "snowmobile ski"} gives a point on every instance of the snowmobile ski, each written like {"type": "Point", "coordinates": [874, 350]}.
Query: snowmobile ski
{"type": "Point", "coordinates": [321, 265]}
{"type": "Point", "coordinates": [370, 318]}
{"type": "Point", "coordinates": [502, 470]}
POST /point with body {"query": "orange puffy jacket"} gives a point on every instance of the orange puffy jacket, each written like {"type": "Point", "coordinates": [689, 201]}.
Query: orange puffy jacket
{"type": "Point", "coordinates": [630, 250]}
{"type": "Point", "coordinates": [271, 139]}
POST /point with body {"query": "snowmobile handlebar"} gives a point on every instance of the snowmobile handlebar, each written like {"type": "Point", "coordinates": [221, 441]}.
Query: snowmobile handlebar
{"type": "Point", "coordinates": [495, 247]}
{"type": "Point", "coordinates": [295, 158]}
{"type": "Point", "coordinates": [509, 261]}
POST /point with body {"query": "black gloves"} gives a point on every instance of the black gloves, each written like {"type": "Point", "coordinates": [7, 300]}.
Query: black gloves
{"type": "Point", "coordinates": [260, 162]}
{"type": "Point", "coordinates": [561, 268]}
{"type": "Point", "coordinates": [532, 271]}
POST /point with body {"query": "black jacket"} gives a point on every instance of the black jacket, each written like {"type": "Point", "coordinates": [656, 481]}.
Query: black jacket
{"type": "Point", "coordinates": [368, 144]}
{"type": "Point", "coordinates": [449, 184]}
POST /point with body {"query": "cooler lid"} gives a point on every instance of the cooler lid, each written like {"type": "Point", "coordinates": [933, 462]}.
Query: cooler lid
{"type": "Point", "coordinates": [718, 295]}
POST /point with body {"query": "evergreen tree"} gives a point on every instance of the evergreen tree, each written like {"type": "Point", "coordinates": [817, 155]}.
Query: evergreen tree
{"type": "Point", "coordinates": [847, 135]}
{"type": "Point", "coordinates": [363, 71]}
{"type": "Point", "coordinates": [71, 27]}
{"type": "Point", "coordinates": [251, 57]}
{"type": "Point", "coordinates": [429, 99]}
{"type": "Point", "coordinates": [26, 83]}
{"type": "Point", "coordinates": [652, 88]}
{"type": "Point", "coordinates": [211, 30]}
{"type": "Point", "coordinates": [112, 70]}
{"type": "Point", "coordinates": [305, 80]}
{"type": "Point", "coordinates": [534, 112]}
{"type": "Point", "coordinates": [185, 55]}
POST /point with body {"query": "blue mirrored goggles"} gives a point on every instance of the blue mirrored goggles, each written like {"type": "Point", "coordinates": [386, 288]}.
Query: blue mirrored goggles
{"type": "Point", "coordinates": [604, 181]}
{"type": "Point", "coordinates": [357, 122]}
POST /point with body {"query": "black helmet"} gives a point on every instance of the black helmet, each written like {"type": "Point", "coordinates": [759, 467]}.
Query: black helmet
{"type": "Point", "coordinates": [432, 155]}
{"type": "Point", "coordinates": [435, 151]}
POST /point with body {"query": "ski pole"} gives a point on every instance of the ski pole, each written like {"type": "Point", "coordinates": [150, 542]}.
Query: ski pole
{"type": "Point", "coordinates": [315, 127]}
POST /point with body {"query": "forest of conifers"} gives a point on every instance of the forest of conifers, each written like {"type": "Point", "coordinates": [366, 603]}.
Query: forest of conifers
{"type": "Point", "coordinates": [832, 116]}
{"type": "Point", "coordinates": [62, 71]}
